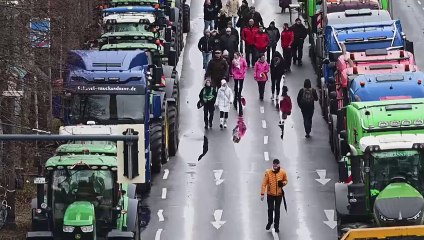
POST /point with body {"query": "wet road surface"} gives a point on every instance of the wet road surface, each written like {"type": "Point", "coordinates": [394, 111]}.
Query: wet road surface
{"type": "Point", "coordinates": [218, 197]}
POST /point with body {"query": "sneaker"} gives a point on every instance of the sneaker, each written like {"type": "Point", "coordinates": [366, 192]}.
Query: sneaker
{"type": "Point", "coordinates": [277, 230]}
{"type": "Point", "coordinates": [268, 226]}
{"type": "Point", "coordinates": [307, 136]}
{"type": "Point", "coordinates": [221, 126]}
{"type": "Point", "coordinates": [225, 125]}
{"type": "Point", "coordinates": [206, 126]}
{"type": "Point", "coordinates": [210, 125]}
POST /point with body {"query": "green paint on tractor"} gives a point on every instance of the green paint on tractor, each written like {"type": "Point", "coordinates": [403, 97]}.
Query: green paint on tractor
{"type": "Point", "coordinates": [79, 214]}
{"type": "Point", "coordinates": [75, 160]}
{"type": "Point", "coordinates": [398, 190]}
{"type": "Point", "coordinates": [75, 148]}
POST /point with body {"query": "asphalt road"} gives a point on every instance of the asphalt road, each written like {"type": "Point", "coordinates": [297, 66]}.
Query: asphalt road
{"type": "Point", "coordinates": [182, 206]}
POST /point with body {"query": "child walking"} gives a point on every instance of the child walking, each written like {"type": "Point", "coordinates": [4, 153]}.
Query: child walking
{"type": "Point", "coordinates": [224, 100]}
{"type": "Point", "coordinates": [261, 74]}
{"type": "Point", "coordinates": [285, 109]}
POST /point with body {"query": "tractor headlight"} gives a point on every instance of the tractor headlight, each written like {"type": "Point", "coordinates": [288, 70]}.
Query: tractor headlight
{"type": "Point", "coordinates": [68, 229]}
{"type": "Point", "coordinates": [416, 217]}
{"type": "Point", "coordinates": [385, 219]}
{"type": "Point", "coordinates": [87, 229]}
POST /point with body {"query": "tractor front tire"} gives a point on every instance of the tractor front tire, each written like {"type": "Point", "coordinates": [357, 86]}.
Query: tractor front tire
{"type": "Point", "coordinates": [186, 18]}
{"type": "Point", "coordinates": [156, 146]}
{"type": "Point", "coordinates": [173, 130]}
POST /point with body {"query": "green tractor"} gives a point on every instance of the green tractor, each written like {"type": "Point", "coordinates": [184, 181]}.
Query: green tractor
{"type": "Point", "coordinates": [82, 196]}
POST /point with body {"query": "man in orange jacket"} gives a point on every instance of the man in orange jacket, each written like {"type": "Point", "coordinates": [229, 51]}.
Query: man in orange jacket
{"type": "Point", "coordinates": [274, 181]}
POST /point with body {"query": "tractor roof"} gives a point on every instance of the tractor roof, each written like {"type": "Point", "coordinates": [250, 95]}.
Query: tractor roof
{"type": "Point", "coordinates": [74, 160]}
{"type": "Point", "coordinates": [148, 47]}
{"type": "Point", "coordinates": [353, 16]}
{"type": "Point", "coordinates": [139, 34]}
{"type": "Point", "coordinates": [341, 6]}
{"type": "Point", "coordinates": [128, 9]}
{"type": "Point", "coordinates": [96, 148]}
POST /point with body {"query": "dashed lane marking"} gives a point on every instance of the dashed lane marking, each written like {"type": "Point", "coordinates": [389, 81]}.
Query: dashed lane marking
{"type": "Point", "coordinates": [160, 215]}
{"type": "Point", "coordinates": [262, 109]}
{"type": "Point", "coordinates": [158, 233]}
{"type": "Point", "coordinates": [164, 191]}
{"type": "Point", "coordinates": [165, 174]}
{"type": "Point", "coordinates": [263, 124]}
{"type": "Point", "coordinates": [265, 139]}
{"type": "Point", "coordinates": [266, 156]}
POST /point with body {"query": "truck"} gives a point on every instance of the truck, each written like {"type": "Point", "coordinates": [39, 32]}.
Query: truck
{"type": "Point", "coordinates": [380, 175]}
{"type": "Point", "coordinates": [385, 85]}
{"type": "Point", "coordinates": [125, 89]}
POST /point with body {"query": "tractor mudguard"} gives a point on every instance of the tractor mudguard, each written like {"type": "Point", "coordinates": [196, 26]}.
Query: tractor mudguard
{"type": "Point", "coordinates": [342, 202]}
{"type": "Point", "coordinates": [131, 191]}
{"type": "Point", "coordinates": [119, 235]}
{"type": "Point", "coordinates": [41, 235]}
{"type": "Point", "coordinates": [132, 215]}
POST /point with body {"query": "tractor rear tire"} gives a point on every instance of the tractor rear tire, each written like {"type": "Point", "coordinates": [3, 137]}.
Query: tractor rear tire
{"type": "Point", "coordinates": [156, 146]}
{"type": "Point", "coordinates": [173, 130]}
{"type": "Point", "coordinates": [186, 18]}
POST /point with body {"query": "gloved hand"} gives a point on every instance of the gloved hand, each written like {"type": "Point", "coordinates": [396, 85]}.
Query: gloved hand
{"type": "Point", "coordinates": [262, 197]}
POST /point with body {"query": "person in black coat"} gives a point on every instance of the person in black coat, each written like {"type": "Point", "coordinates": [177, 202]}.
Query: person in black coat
{"type": "Point", "coordinates": [277, 73]}
{"type": "Point", "coordinates": [306, 99]}
{"type": "Point", "coordinates": [256, 16]}
{"type": "Point", "coordinates": [205, 45]}
{"type": "Point", "coordinates": [233, 31]}
{"type": "Point", "coordinates": [300, 33]}
{"type": "Point", "coordinates": [216, 42]}
{"type": "Point", "coordinates": [210, 14]}
{"type": "Point", "coordinates": [229, 42]}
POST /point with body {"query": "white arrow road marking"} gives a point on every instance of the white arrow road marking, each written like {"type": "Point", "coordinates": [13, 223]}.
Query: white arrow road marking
{"type": "Point", "coordinates": [218, 175]}
{"type": "Point", "coordinates": [321, 173]}
{"type": "Point", "coordinates": [263, 124]}
{"type": "Point", "coordinates": [266, 156]}
{"type": "Point", "coordinates": [218, 215]}
{"type": "Point", "coordinates": [158, 233]}
{"type": "Point", "coordinates": [164, 191]}
{"type": "Point", "coordinates": [160, 215]}
{"type": "Point", "coordinates": [265, 139]}
{"type": "Point", "coordinates": [262, 109]}
{"type": "Point", "coordinates": [329, 214]}
{"type": "Point", "coordinates": [166, 173]}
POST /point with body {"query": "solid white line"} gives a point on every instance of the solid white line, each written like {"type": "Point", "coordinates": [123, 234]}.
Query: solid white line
{"type": "Point", "coordinates": [262, 109]}
{"type": "Point", "coordinates": [166, 174]}
{"type": "Point", "coordinates": [160, 215]}
{"type": "Point", "coordinates": [419, 2]}
{"type": "Point", "coordinates": [158, 233]}
{"type": "Point", "coordinates": [265, 139]}
{"type": "Point", "coordinates": [263, 124]}
{"type": "Point", "coordinates": [266, 156]}
{"type": "Point", "coordinates": [164, 191]}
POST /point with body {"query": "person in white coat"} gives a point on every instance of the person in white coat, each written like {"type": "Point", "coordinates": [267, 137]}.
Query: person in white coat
{"type": "Point", "coordinates": [232, 8]}
{"type": "Point", "coordinates": [224, 101]}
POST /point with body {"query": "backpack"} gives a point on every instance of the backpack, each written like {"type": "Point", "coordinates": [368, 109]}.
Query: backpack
{"type": "Point", "coordinates": [308, 96]}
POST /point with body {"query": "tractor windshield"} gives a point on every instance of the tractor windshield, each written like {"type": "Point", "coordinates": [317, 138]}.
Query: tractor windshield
{"type": "Point", "coordinates": [126, 27]}
{"type": "Point", "coordinates": [107, 109]}
{"type": "Point", "coordinates": [68, 186]}
{"type": "Point", "coordinates": [388, 165]}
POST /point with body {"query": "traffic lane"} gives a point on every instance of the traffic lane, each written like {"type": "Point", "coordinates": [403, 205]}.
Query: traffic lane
{"type": "Point", "coordinates": [411, 12]}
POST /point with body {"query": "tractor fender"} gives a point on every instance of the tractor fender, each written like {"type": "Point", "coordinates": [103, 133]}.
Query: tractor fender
{"type": "Point", "coordinates": [131, 191]}
{"type": "Point", "coordinates": [340, 195]}
{"type": "Point", "coordinates": [132, 215]}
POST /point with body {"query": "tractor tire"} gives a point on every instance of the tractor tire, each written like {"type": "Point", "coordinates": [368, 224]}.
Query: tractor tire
{"type": "Point", "coordinates": [186, 18]}
{"type": "Point", "coordinates": [334, 135]}
{"type": "Point", "coordinates": [172, 130]}
{"type": "Point", "coordinates": [330, 135]}
{"type": "Point", "coordinates": [156, 146]}
{"type": "Point", "coordinates": [165, 138]}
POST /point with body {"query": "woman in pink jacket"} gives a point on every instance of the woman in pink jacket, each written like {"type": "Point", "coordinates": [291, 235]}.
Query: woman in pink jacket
{"type": "Point", "coordinates": [261, 74]}
{"type": "Point", "coordinates": [238, 70]}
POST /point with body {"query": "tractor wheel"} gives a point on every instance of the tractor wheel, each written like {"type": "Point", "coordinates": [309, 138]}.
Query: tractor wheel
{"type": "Point", "coordinates": [156, 146]}
{"type": "Point", "coordinates": [173, 130]}
{"type": "Point", "coordinates": [334, 135]}
{"type": "Point", "coordinates": [186, 18]}
{"type": "Point", "coordinates": [330, 135]}
{"type": "Point", "coordinates": [165, 137]}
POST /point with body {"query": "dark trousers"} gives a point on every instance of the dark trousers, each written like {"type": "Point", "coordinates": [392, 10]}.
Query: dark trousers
{"type": "Point", "coordinates": [261, 89]}
{"type": "Point", "coordinates": [270, 52]}
{"type": "Point", "coordinates": [250, 54]}
{"type": "Point", "coordinates": [297, 49]}
{"type": "Point", "coordinates": [287, 53]}
{"type": "Point", "coordinates": [307, 119]}
{"type": "Point", "coordinates": [274, 203]}
{"type": "Point", "coordinates": [275, 85]}
{"type": "Point", "coordinates": [208, 110]}
{"type": "Point", "coordinates": [238, 88]}
{"type": "Point", "coordinates": [223, 114]}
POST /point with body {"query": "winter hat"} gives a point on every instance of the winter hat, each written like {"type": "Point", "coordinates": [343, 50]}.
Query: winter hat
{"type": "Point", "coordinates": [297, 19]}
{"type": "Point", "coordinates": [225, 53]}
{"type": "Point", "coordinates": [223, 81]}
{"type": "Point", "coordinates": [245, 2]}
{"type": "Point", "coordinates": [228, 30]}
{"type": "Point", "coordinates": [285, 89]}
{"type": "Point", "coordinates": [276, 161]}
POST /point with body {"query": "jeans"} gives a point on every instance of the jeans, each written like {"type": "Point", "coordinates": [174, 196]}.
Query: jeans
{"type": "Point", "coordinates": [234, 21]}
{"type": "Point", "coordinates": [270, 52]}
{"type": "Point", "coordinates": [209, 24]}
{"type": "Point", "coordinates": [208, 110]}
{"type": "Point", "coordinates": [307, 119]}
{"type": "Point", "coordinates": [250, 52]}
{"type": "Point", "coordinates": [207, 56]}
{"type": "Point", "coordinates": [297, 50]}
{"type": "Point", "coordinates": [287, 52]}
{"type": "Point", "coordinates": [238, 88]}
{"type": "Point", "coordinates": [275, 85]}
{"type": "Point", "coordinates": [274, 204]}
{"type": "Point", "coordinates": [261, 88]}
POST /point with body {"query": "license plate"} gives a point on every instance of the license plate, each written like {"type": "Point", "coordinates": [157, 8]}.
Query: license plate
{"type": "Point", "coordinates": [40, 180]}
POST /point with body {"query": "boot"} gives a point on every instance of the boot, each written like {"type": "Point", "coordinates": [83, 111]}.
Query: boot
{"type": "Point", "coordinates": [221, 122]}
{"type": "Point", "coordinates": [225, 123]}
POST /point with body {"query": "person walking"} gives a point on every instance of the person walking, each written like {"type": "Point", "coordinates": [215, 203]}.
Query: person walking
{"type": "Point", "coordinates": [285, 109]}
{"type": "Point", "coordinates": [229, 42]}
{"type": "Point", "coordinates": [306, 100]}
{"type": "Point", "coordinates": [274, 37]}
{"type": "Point", "coordinates": [243, 14]}
{"type": "Point", "coordinates": [238, 69]}
{"type": "Point", "coordinates": [223, 19]}
{"type": "Point", "coordinates": [284, 4]}
{"type": "Point", "coordinates": [217, 69]}
{"type": "Point", "coordinates": [287, 38]}
{"type": "Point", "coordinates": [232, 8]}
{"type": "Point", "coordinates": [226, 57]}
{"type": "Point", "coordinates": [205, 46]}
{"type": "Point", "coordinates": [256, 16]}
{"type": "Point", "coordinates": [261, 42]}
{"type": "Point", "coordinates": [216, 42]}
{"type": "Point", "coordinates": [277, 72]}
{"type": "Point", "coordinates": [209, 15]}
{"type": "Point", "coordinates": [300, 32]}
{"type": "Point", "coordinates": [208, 96]}
{"type": "Point", "coordinates": [274, 181]}
{"type": "Point", "coordinates": [234, 32]}
{"type": "Point", "coordinates": [223, 101]}
{"type": "Point", "coordinates": [261, 74]}
{"type": "Point", "coordinates": [248, 36]}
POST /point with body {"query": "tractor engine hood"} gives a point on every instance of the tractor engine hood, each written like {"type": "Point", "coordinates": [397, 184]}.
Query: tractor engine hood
{"type": "Point", "coordinates": [399, 204]}
{"type": "Point", "coordinates": [79, 214]}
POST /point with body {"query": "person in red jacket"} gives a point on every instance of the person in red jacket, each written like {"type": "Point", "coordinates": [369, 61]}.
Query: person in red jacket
{"type": "Point", "coordinates": [285, 109]}
{"type": "Point", "coordinates": [261, 42]}
{"type": "Point", "coordinates": [248, 36]}
{"type": "Point", "coordinates": [287, 38]}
